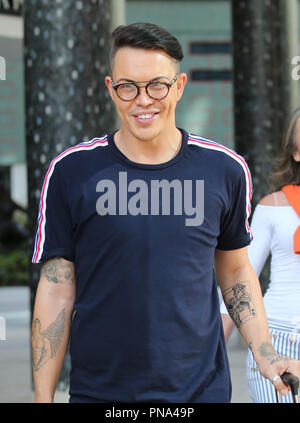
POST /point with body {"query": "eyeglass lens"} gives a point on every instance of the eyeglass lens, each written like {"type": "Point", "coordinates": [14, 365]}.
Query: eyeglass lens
{"type": "Point", "coordinates": [156, 90]}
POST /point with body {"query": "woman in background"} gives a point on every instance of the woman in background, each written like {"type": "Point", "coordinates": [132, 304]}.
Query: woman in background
{"type": "Point", "coordinates": [276, 230]}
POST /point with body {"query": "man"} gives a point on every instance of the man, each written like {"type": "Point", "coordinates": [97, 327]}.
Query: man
{"type": "Point", "coordinates": [130, 228]}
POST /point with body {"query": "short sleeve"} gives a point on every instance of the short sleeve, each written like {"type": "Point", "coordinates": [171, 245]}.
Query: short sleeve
{"type": "Point", "coordinates": [235, 230]}
{"type": "Point", "coordinates": [259, 249]}
{"type": "Point", "coordinates": [54, 226]}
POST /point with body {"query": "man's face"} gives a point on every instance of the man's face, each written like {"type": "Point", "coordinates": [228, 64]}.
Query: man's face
{"type": "Point", "coordinates": [143, 117]}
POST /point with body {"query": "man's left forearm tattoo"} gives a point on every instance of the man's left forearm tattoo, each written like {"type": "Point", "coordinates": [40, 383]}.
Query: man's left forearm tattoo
{"type": "Point", "coordinates": [239, 303]}
{"type": "Point", "coordinates": [266, 350]}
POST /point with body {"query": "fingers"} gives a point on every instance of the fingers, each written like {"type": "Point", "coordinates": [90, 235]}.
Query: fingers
{"type": "Point", "coordinates": [279, 385]}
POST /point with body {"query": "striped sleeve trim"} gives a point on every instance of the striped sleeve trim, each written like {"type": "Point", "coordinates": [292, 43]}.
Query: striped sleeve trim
{"type": "Point", "coordinates": [212, 145]}
{"type": "Point", "coordinates": [40, 233]}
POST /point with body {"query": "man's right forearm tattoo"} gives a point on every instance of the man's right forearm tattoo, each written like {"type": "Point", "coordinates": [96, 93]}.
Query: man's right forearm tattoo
{"type": "Point", "coordinates": [46, 343]}
{"type": "Point", "coordinates": [239, 303]}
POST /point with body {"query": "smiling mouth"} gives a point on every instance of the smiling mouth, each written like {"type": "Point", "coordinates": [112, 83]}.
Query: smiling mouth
{"type": "Point", "coordinates": [145, 117]}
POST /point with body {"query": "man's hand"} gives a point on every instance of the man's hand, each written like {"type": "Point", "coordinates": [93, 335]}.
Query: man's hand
{"type": "Point", "coordinates": [271, 365]}
{"type": "Point", "coordinates": [243, 299]}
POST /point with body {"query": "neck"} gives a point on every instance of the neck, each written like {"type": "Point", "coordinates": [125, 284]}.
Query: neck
{"type": "Point", "coordinates": [156, 150]}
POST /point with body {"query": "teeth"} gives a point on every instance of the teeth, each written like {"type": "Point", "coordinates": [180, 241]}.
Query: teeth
{"type": "Point", "coordinates": [146, 116]}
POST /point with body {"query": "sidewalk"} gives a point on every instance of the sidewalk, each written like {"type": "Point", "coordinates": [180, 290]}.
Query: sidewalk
{"type": "Point", "coordinates": [15, 380]}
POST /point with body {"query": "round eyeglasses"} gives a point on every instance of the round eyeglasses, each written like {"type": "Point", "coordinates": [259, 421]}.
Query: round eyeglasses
{"type": "Point", "coordinates": [157, 90]}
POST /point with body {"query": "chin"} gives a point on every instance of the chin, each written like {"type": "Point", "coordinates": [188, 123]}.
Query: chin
{"type": "Point", "coordinates": [146, 134]}
{"type": "Point", "coordinates": [146, 137]}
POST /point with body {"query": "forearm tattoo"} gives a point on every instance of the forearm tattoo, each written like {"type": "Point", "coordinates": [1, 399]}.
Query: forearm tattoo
{"type": "Point", "coordinates": [58, 270]}
{"type": "Point", "coordinates": [46, 343]}
{"type": "Point", "coordinates": [266, 350]}
{"type": "Point", "coordinates": [239, 303]}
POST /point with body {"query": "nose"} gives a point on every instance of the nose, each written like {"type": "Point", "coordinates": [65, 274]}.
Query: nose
{"type": "Point", "coordinates": [143, 99]}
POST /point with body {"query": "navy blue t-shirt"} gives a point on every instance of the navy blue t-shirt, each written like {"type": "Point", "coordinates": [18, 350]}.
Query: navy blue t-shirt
{"type": "Point", "coordinates": [147, 325]}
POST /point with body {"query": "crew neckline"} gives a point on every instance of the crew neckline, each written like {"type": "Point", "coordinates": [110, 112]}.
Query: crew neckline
{"type": "Point", "coordinates": [171, 162]}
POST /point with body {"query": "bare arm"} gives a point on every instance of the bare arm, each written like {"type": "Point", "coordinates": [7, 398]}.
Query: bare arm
{"type": "Point", "coordinates": [51, 323]}
{"type": "Point", "coordinates": [242, 296]}
{"type": "Point", "coordinates": [258, 250]}
{"type": "Point", "coordinates": [228, 326]}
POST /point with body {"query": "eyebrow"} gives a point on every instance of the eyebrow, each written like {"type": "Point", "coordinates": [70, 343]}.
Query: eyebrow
{"type": "Point", "coordinates": [138, 82]}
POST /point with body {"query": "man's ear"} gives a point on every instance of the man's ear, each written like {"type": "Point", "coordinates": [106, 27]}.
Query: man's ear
{"type": "Point", "coordinates": [181, 81]}
{"type": "Point", "coordinates": [109, 86]}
